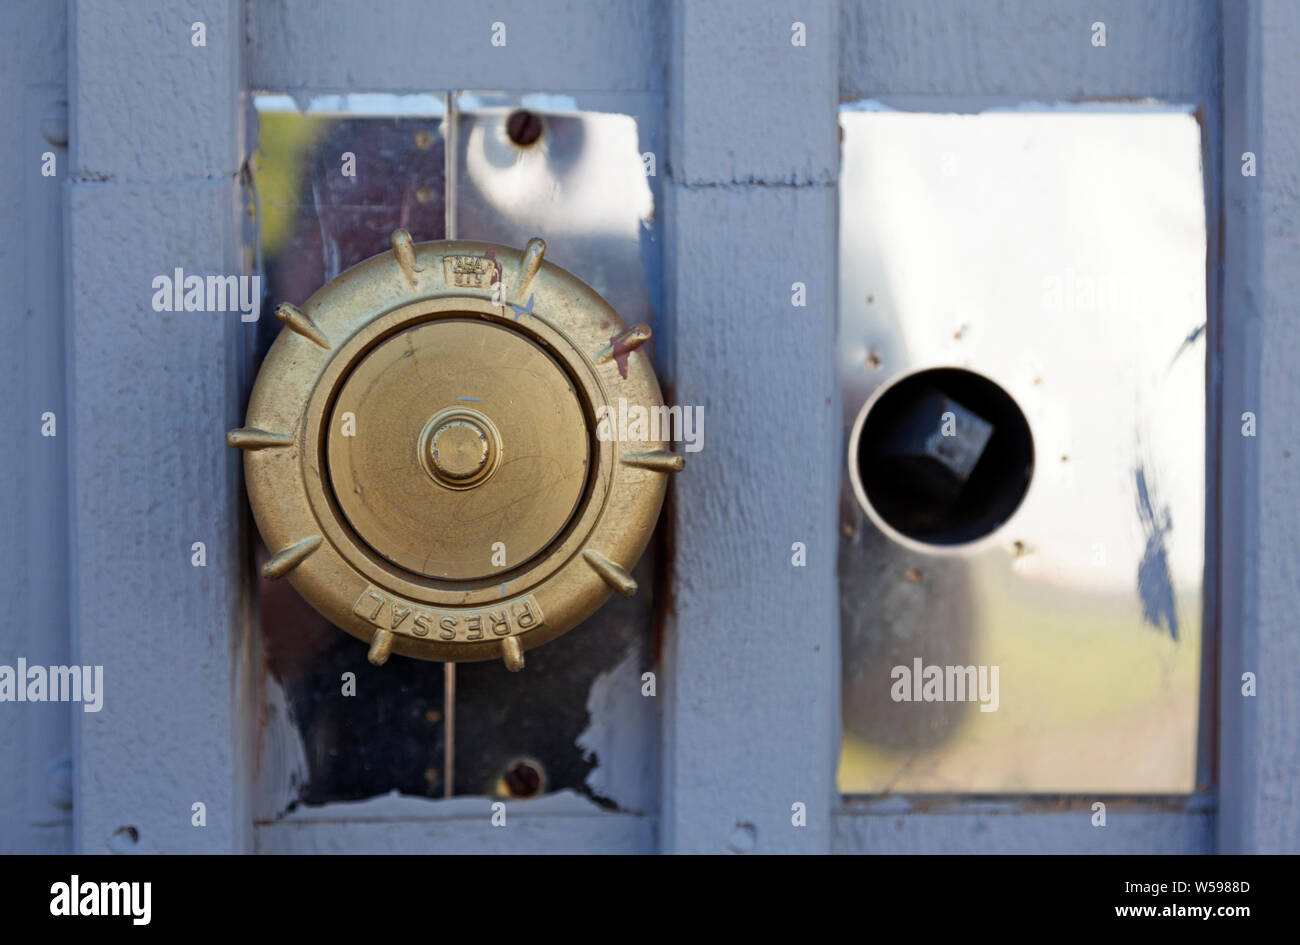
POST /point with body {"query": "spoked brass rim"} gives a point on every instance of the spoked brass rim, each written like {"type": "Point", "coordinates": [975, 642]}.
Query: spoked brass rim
{"type": "Point", "coordinates": [442, 399]}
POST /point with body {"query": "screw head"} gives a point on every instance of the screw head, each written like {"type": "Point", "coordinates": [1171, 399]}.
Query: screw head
{"type": "Point", "coordinates": [524, 127]}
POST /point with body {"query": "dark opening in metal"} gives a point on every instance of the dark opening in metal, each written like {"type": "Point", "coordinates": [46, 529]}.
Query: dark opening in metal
{"type": "Point", "coordinates": [523, 777]}
{"type": "Point", "coordinates": [943, 456]}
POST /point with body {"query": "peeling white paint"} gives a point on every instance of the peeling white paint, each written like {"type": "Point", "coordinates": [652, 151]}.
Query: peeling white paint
{"type": "Point", "coordinates": [619, 729]}
{"type": "Point", "coordinates": [282, 756]}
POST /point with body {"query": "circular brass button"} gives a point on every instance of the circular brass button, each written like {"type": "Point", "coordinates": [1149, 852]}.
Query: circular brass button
{"type": "Point", "coordinates": [467, 452]}
{"type": "Point", "coordinates": [422, 458]}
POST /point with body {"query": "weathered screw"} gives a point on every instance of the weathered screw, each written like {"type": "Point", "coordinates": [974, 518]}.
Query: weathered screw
{"type": "Point", "coordinates": [524, 127]}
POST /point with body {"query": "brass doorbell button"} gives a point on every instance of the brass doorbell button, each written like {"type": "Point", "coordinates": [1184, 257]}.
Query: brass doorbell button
{"type": "Point", "coordinates": [421, 452]}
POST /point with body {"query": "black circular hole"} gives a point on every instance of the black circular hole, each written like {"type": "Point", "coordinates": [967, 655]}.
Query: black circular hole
{"type": "Point", "coordinates": [522, 779]}
{"type": "Point", "coordinates": [944, 456]}
{"type": "Point", "coordinates": [524, 127]}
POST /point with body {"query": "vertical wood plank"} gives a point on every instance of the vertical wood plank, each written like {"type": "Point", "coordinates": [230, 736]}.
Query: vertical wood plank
{"type": "Point", "coordinates": [150, 396]}
{"type": "Point", "coordinates": [751, 696]}
{"type": "Point", "coordinates": [1260, 734]}
{"type": "Point", "coordinates": [35, 787]}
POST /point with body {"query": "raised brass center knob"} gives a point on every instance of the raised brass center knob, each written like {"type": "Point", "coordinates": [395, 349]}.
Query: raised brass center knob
{"type": "Point", "coordinates": [458, 450]}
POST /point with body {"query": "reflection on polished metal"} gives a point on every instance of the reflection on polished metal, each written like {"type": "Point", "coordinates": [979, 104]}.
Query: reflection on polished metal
{"type": "Point", "coordinates": [1059, 537]}
{"type": "Point", "coordinates": [421, 458]}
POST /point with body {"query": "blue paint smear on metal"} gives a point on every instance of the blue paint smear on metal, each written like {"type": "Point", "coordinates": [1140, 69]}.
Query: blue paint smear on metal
{"type": "Point", "coordinates": [1154, 586]}
{"type": "Point", "coordinates": [1191, 339]}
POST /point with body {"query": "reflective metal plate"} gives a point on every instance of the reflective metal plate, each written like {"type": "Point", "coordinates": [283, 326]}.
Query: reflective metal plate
{"type": "Point", "coordinates": [441, 165]}
{"type": "Point", "coordinates": [1061, 254]}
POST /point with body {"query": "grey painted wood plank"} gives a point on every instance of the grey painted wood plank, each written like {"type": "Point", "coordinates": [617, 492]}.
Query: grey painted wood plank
{"type": "Point", "coordinates": [418, 46]}
{"type": "Point", "coordinates": [153, 106]}
{"type": "Point", "coordinates": [43, 551]}
{"type": "Point", "coordinates": [1277, 752]}
{"type": "Point", "coordinates": [750, 683]}
{"type": "Point", "coordinates": [151, 394]}
{"type": "Point", "coordinates": [1126, 831]}
{"type": "Point", "coordinates": [751, 693]}
{"type": "Point", "coordinates": [748, 105]}
{"type": "Point", "coordinates": [1260, 735]}
{"type": "Point", "coordinates": [549, 834]}
{"type": "Point", "coordinates": [1039, 50]}
{"type": "Point", "coordinates": [34, 548]}
{"type": "Point", "coordinates": [1238, 457]}
{"type": "Point", "coordinates": [556, 823]}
